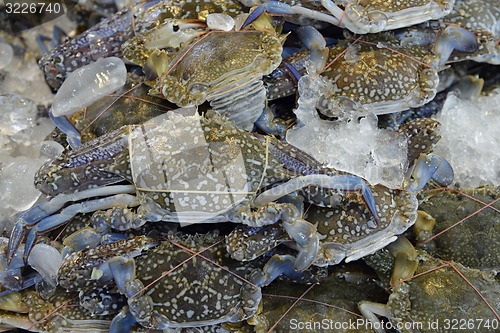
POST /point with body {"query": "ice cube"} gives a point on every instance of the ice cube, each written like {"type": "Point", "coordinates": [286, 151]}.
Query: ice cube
{"type": "Point", "coordinates": [89, 83]}
{"type": "Point", "coordinates": [471, 138]}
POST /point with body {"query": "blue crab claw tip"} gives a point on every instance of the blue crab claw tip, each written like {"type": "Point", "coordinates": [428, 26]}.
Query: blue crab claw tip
{"type": "Point", "coordinates": [274, 7]}
{"type": "Point", "coordinates": [123, 271]}
{"type": "Point", "coordinates": [253, 16]}
{"type": "Point", "coordinates": [429, 167]}
{"type": "Point", "coordinates": [315, 42]}
{"type": "Point", "coordinates": [370, 201]}
{"type": "Point", "coordinates": [14, 241]}
{"type": "Point", "coordinates": [122, 322]}
{"type": "Point", "coordinates": [454, 38]}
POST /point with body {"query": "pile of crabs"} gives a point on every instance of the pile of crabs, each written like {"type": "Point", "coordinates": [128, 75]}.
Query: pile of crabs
{"type": "Point", "coordinates": [178, 205]}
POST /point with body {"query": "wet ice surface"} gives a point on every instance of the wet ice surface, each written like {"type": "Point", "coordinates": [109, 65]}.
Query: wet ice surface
{"type": "Point", "coordinates": [358, 147]}
{"type": "Point", "coordinates": [23, 77]}
{"type": "Point", "coordinates": [218, 21]}
{"type": "Point", "coordinates": [23, 152]}
{"type": "Point", "coordinates": [22, 132]}
{"type": "Point", "coordinates": [6, 55]}
{"type": "Point", "coordinates": [471, 138]}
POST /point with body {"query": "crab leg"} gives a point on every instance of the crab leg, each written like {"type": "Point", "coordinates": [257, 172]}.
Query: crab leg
{"type": "Point", "coordinates": [123, 321]}
{"type": "Point", "coordinates": [340, 182]}
{"type": "Point", "coordinates": [370, 309]}
{"type": "Point", "coordinates": [277, 265]}
{"type": "Point", "coordinates": [46, 209]}
{"type": "Point", "coordinates": [67, 213]}
{"type": "Point", "coordinates": [11, 277]}
{"type": "Point", "coordinates": [73, 135]}
{"type": "Point", "coordinates": [454, 38]}
{"type": "Point", "coordinates": [429, 167]}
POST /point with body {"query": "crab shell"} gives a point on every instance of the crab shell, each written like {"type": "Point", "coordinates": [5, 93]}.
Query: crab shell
{"type": "Point", "coordinates": [185, 169]}
{"type": "Point", "coordinates": [202, 290]}
{"type": "Point", "coordinates": [375, 16]}
{"type": "Point", "coordinates": [224, 68]}
{"type": "Point", "coordinates": [350, 232]}
{"type": "Point", "coordinates": [412, 301]}
{"type": "Point", "coordinates": [379, 74]}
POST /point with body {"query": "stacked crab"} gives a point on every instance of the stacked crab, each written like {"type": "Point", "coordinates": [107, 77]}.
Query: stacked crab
{"type": "Point", "coordinates": [184, 208]}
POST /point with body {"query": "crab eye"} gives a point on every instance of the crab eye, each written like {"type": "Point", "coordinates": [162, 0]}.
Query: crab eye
{"type": "Point", "coordinates": [59, 59]}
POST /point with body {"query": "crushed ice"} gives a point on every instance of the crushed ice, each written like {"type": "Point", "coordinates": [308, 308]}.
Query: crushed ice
{"type": "Point", "coordinates": [24, 150]}
{"type": "Point", "coordinates": [471, 138]}
{"type": "Point", "coordinates": [358, 147]}
{"type": "Point", "coordinates": [218, 21]}
{"type": "Point", "coordinates": [6, 55]}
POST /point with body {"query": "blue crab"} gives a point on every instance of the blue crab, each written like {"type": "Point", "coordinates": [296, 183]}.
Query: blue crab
{"type": "Point", "coordinates": [455, 225]}
{"type": "Point", "coordinates": [479, 17]}
{"type": "Point", "coordinates": [347, 231]}
{"type": "Point", "coordinates": [106, 38]}
{"type": "Point", "coordinates": [59, 313]}
{"type": "Point", "coordinates": [377, 72]}
{"type": "Point", "coordinates": [179, 282]}
{"type": "Point", "coordinates": [361, 16]}
{"type": "Point", "coordinates": [182, 169]}
{"type": "Point", "coordinates": [224, 68]}
{"type": "Point", "coordinates": [459, 292]}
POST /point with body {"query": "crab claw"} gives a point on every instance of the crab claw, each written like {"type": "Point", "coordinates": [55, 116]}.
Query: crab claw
{"type": "Point", "coordinates": [429, 167]}
{"type": "Point", "coordinates": [16, 236]}
{"type": "Point", "coordinates": [11, 277]}
{"type": "Point", "coordinates": [73, 135]}
{"type": "Point", "coordinates": [123, 321]}
{"type": "Point", "coordinates": [273, 7]}
{"type": "Point", "coordinates": [315, 42]}
{"type": "Point", "coordinates": [406, 262]}
{"type": "Point", "coordinates": [269, 124]}
{"type": "Point", "coordinates": [336, 182]}
{"type": "Point", "coordinates": [305, 235]}
{"type": "Point", "coordinates": [174, 33]}
{"type": "Point", "coordinates": [46, 260]}
{"type": "Point", "coordinates": [454, 38]}
{"type": "Point", "coordinates": [123, 271]}
{"type": "Point", "coordinates": [277, 265]}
